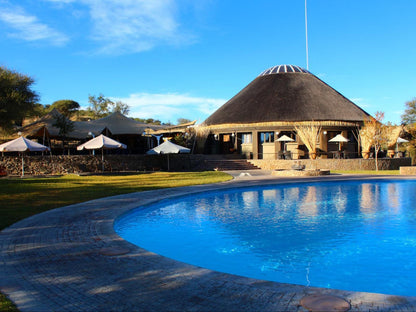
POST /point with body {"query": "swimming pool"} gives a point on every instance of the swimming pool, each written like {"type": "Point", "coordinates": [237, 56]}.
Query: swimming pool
{"type": "Point", "coordinates": [352, 235]}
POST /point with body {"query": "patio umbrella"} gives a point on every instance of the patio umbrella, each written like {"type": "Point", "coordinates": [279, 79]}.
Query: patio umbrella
{"type": "Point", "coordinates": [285, 138]}
{"type": "Point", "coordinates": [101, 142]}
{"type": "Point", "coordinates": [339, 139]}
{"type": "Point", "coordinates": [22, 145]}
{"type": "Point", "coordinates": [400, 140]}
{"type": "Point", "coordinates": [168, 147]}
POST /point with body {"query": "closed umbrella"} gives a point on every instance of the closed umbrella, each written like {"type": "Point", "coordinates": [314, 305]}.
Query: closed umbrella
{"type": "Point", "coordinates": [101, 142]}
{"type": "Point", "coordinates": [22, 145]}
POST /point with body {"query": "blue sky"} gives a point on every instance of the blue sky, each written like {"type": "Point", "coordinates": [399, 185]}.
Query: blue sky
{"type": "Point", "coordinates": [171, 59]}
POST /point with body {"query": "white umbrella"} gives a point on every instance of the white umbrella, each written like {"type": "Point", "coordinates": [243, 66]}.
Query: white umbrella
{"type": "Point", "coordinates": [22, 145]}
{"type": "Point", "coordinates": [101, 142]}
{"type": "Point", "coordinates": [339, 139]}
{"type": "Point", "coordinates": [168, 147]}
{"type": "Point", "coordinates": [285, 138]}
{"type": "Point", "coordinates": [400, 140]}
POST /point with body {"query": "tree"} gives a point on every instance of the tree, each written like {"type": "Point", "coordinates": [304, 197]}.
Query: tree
{"type": "Point", "coordinates": [101, 106]}
{"type": "Point", "coordinates": [409, 116]}
{"type": "Point", "coordinates": [374, 134]}
{"type": "Point", "coordinates": [17, 99]}
{"type": "Point", "coordinates": [148, 121]}
{"type": "Point", "coordinates": [181, 121]}
{"type": "Point", "coordinates": [121, 107]}
{"type": "Point", "coordinates": [411, 136]}
{"type": "Point", "coordinates": [64, 125]}
{"type": "Point", "coordinates": [65, 107]}
{"type": "Point", "coordinates": [39, 110]}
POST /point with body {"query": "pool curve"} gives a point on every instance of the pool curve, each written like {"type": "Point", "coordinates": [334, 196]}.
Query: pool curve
{"type": "Point", "coordinates": [71, 259]}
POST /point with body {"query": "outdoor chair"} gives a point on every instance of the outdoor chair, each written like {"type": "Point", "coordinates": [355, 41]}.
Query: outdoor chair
{"type": "Point", "coordinates": [288, 155]}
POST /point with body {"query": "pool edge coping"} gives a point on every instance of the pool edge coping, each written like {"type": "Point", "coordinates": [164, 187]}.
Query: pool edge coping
{"type": "Point", "coordinates": [99, 216]}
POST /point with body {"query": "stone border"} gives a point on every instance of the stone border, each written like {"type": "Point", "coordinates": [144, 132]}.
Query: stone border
{"type": "Point", "coordinates": [301, 173]}
{"type": "Point", "coordinates": [70, 259]}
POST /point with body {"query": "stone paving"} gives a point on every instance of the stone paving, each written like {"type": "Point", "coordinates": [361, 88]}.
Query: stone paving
{"type": "Point", "coordinates": [70, 259]}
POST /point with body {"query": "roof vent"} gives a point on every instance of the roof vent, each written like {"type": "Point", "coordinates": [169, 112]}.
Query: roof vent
{"type": "Point", "coordinates": [282, 69]}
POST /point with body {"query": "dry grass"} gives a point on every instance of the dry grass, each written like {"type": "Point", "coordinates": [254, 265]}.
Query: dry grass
{"type": "Point", "coordinates": [309, 136]}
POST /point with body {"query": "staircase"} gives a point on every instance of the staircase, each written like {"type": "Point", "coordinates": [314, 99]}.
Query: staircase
{"type": "Point", "coordinates": [229, 164]}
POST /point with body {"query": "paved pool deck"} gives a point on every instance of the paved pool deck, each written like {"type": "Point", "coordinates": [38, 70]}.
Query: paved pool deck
{"type": "Point", "coordinates": [70, 259]}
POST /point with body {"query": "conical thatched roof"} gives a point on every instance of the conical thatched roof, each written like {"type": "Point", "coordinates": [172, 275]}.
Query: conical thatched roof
{"type": "Point", "coordinates": [286, 93]}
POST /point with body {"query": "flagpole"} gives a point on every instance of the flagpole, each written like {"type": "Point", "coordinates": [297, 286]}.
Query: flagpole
{"type": "Point", "coordinates": [306, 37]}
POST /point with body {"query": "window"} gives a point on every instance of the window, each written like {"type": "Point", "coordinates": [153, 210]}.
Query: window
{"type": "Point", "coordinates": [266, 137]}
{"type": "Point", "coordinates": [246, 138]}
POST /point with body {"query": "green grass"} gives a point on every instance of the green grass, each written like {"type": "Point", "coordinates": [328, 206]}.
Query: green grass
{"type": "Point", "coordinates": [21, 198]}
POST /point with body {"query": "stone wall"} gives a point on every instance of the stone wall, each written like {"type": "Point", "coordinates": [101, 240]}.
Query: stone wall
{"type": "Point", "coordinates": [408, 170]}
{"type": "Point", "coordinates": [48, 165]}
{"type": "Point", "coordinates": [334, 164]}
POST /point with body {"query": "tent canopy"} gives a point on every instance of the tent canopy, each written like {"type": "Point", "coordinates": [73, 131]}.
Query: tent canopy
{"type": "Point", "coordinates": [168, 147]}
{"type": "Point", "coordinates": [22, 145]}
{"type": "Point", "coordinates": [103, 142]}
{"type": "Point", "coordinates": [118, 124]}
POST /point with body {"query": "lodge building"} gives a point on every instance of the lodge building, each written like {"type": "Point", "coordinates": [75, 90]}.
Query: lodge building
{"type": "Point", "coordinates": [259, 122]}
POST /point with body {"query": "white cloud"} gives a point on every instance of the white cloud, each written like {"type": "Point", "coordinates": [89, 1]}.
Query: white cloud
{"type": "Point", "coordinates": [130, 26]}
{"type": "Point", "coordinates": [170, 106]}
{"type": "Point", "coordinates": [363, 103]}
{"type": "Point", "coordinates": [27, 27]}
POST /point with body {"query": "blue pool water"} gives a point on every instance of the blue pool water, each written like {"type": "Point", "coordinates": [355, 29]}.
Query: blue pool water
{"type": "Point", "coordinates": [347, 235]}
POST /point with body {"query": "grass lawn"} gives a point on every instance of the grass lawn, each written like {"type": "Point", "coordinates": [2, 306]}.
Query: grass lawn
{"type": "Point", "coordinates": [21, 198]}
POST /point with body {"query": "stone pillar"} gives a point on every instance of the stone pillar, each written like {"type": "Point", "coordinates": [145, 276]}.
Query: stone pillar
{"type": "Point", "coordinates": [323, 141]}
{"type": "Point", "coordinates": [255, 149]}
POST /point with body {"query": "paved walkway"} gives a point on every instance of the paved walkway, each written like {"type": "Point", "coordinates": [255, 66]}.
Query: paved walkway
{"type": "Point", "coordinates": [70, 259]}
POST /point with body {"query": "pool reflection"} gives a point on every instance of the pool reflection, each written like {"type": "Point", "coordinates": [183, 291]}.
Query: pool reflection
{"type": "Point", "coordinates": [298, 233]}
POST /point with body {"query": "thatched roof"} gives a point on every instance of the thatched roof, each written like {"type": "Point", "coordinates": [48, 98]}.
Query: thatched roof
{"type": "Point", "coordinates": [286, 94]}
